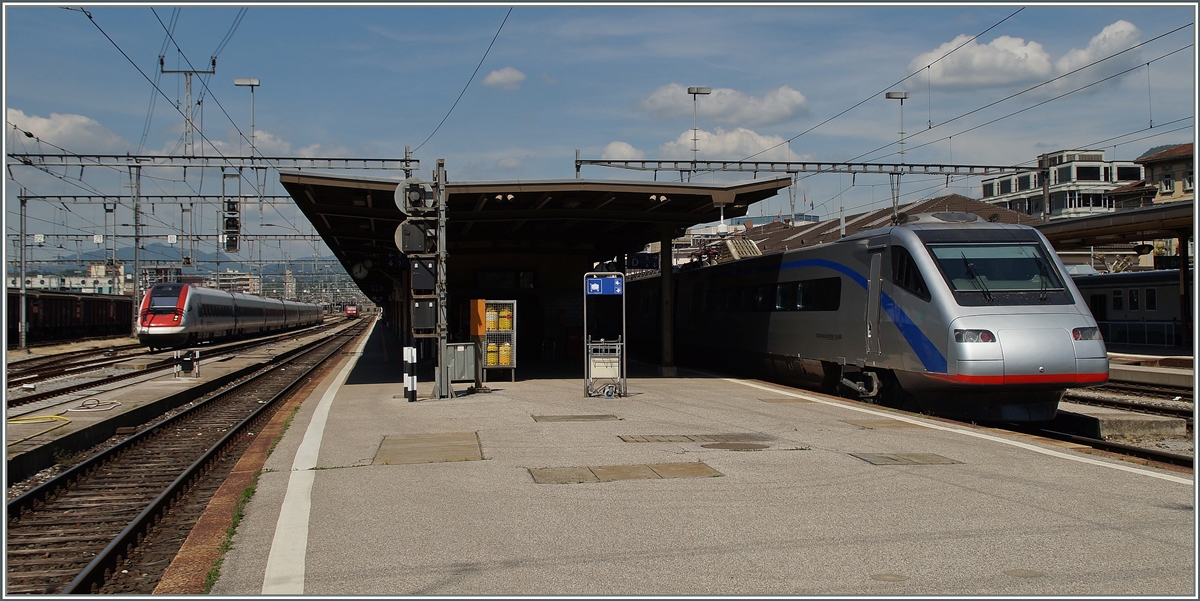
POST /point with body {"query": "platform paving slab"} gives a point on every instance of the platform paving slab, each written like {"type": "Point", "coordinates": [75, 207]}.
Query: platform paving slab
{"type": "Point", "coordinates": [806, 516]}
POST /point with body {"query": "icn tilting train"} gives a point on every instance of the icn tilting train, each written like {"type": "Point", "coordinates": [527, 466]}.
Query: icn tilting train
{"type": "Point", "coordinates": [179, 315]}
{"type": "Point", "coordinates": [943, 312]}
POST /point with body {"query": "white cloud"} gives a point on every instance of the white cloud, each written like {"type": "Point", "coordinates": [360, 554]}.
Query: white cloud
{"type": "Point", "coordinates": [509, 163]}
{"type": "Point", "coordinates": [507, 78]}
{"type": "Point", "coordinates": [75, 133]}
{"type": "Point", "coordinates": [1003, 61]}
{"type": "Point", "coordinates": [726, 105]}
{"type": "Point", "coordinates": [621, 151]}
{"type": "Point", "coordinates": [740, 142]}
{"type": "Point", "coordinates": [1112, 39]}
{"type": "Point", "coordinates": [1007, 60]}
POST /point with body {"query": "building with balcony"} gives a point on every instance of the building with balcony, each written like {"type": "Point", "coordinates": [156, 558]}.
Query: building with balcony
{"type": "Point", "coordinates": [1079, 185]}
{"type": "Point", "coordinates": [234, 281]}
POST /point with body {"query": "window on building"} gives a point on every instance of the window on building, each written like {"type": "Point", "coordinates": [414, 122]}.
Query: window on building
{"type": "Point", "coordinates": [988, 190]}
{"type": "Point", "coordinates": [1151, 299]}
{"type": "Point", "coordinates": [1091, 174]}
{"type": "Point", "coordinates": [1063, 174]}
{"type": "Point", "coordinates": [1005, 186]}
{"type": "Point", "coordinates": [1187, 181]}
{"type": "Point", "coordinates": [1166, 184]}
{"type": "Point", "coordinates": [1118, 301]}
{"type": "Point", "coordinates": [1133, 299]}
{"type": "Point", "coordinates": [1023, 182]}
{"type": "Point", "coordinates": [1128, 174]}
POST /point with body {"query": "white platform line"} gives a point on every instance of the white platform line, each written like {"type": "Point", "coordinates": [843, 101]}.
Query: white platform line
{"type": "Point", "coordinates": [936, 426]}
{"type": "Point", "coordinates": [285, 563]}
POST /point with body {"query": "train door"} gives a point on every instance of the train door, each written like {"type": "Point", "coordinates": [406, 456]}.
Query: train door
{"type": "Point", "coordinates": [874, 285]}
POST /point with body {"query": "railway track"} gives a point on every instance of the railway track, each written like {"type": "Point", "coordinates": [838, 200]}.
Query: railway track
{"type": "Point", "coordinates": [1185, 394]}
{"type": "Point", "coordinates": [44, 362]}
{"type": "Point", "coordinates": [219, 351]}
{"type": "Point", "coordinates": [1185, 413]}
{"type": "Point", "coordinates": [1164, 457]}
{"type": "Point", "coordinates": [112, 523]}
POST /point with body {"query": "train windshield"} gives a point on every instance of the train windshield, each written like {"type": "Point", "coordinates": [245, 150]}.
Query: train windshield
{"type": "Point", "coordinates": [164, 297]}
{"type": "Point", "coordinates": [1000, 274]}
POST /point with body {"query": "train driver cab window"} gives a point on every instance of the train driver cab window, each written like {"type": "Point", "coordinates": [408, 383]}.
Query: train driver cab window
{"type": "Point", "coordinates": [1118, 301]}
{"type": "Point", "coordinates": [163, 299]}
{"type": "Point", "coordinates": [1151, 299]}
{"type": "Point", "coordinates": [1133, 299]}
{"type": "Point", "coordinates": [906, 275]}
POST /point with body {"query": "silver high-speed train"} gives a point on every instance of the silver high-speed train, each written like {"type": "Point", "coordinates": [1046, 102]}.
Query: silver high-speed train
{"type": "Point", "coordinates": [176, 315]}
{"type": "Point", "coordinates": [943, 312]}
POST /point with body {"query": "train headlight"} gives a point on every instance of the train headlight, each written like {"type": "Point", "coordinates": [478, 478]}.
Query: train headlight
{"type": "Point", "coordinates": [1086, 333]}
{"type": "Point", "coordinates": [973, 336]}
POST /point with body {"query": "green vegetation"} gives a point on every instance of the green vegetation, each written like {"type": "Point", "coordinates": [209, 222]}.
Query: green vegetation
{"type": "Point", "coordinates": [227, 543]}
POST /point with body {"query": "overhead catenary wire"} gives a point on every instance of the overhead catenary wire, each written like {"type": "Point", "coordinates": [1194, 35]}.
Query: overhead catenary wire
{"type": "Point", "coordinates": [472, 78]}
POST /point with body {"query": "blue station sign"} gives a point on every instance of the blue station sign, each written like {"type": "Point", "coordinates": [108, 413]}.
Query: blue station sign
{"type": "Point", "coordinates": [605, 285]}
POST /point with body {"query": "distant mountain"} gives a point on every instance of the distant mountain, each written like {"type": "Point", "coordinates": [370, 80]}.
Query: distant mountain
{"type": "Point", "coordinates": [1156, 150]}
{"type": "Point", "coordinates": [204, 262]}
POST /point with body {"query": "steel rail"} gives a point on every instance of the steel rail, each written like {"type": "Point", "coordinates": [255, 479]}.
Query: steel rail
{"type": "Point", "coordinates": [93, 575]}
{"type": "Point", "coordinates": [95, 571]}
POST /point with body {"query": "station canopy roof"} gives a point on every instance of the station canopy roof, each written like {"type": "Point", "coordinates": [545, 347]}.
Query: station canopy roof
{"type": "Point", "coordinates": [357, 216]}
{"type": "Point", "coordinates": [1166, 220]}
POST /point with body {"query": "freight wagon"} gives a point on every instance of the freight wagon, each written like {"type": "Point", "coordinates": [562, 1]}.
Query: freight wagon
{"type": "Point", "coordinates": [55, 316]}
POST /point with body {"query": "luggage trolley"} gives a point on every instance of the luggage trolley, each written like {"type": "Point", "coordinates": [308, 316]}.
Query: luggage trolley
{"type": "Point", "coordinates": [604, 367]}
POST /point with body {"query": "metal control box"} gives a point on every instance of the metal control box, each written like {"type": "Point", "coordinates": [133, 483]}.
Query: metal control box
{"type": "Point", "coordinates": [463, 357]}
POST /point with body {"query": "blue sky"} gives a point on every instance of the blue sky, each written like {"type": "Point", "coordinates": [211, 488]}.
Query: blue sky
{"type": "Point", "coordinates": [610, 81]}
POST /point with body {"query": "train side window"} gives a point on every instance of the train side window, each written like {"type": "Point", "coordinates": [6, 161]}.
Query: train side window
{"type": "Point", "coordinates": [748, 299]}
{"type": "Point", "coordinates": [824, 294]}
{"type": "Point", "coordinates": [1151, 299]}
{"type": "Point", "coordinates": [1133, 299]}
{"type": "Point", "coordinates": [765, 297]}
{"type": "Point", "coordinates": [785, 297]}
{"type": "Point", "coordinates": [1118, 301]}
{"type": "Point", "coordinates": [906, 275]}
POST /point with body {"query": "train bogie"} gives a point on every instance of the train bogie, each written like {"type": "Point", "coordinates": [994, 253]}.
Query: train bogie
{"type": "Point", "coordinates": [942, 313]}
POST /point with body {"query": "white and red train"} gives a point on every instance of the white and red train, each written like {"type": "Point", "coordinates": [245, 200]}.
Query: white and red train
{"type": "Point", "coordinates": [178, 315]}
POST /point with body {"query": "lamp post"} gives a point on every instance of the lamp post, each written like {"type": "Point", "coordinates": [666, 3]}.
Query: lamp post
{"type": "Point", "coordinates": [696, 91]}
{"type": "Point", "coordinates": [251, 82]}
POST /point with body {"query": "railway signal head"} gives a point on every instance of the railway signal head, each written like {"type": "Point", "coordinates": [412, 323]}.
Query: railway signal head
{"type": "Point", "coordinates": [413, 195]}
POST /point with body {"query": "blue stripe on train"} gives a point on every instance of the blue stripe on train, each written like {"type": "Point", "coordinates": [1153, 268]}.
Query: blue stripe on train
{"type": "Point", "coordinates": [931, 358]}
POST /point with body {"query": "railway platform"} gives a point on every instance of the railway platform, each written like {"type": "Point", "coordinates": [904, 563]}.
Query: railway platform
{"type": "Point", "coordinates": [692, 484]}
{"type": "Point", "coordinates": [40, 432]}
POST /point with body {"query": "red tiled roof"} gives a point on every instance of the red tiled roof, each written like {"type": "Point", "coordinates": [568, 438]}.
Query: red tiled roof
{"type": "Point", "coordinates": [772, 237]}
{"type": "Point", "coordinates": [1177, 152]}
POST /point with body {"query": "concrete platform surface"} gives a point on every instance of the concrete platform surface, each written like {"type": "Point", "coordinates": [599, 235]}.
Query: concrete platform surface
{"type": "Point", "coordinates": [1099, 422]}
{"type": "Point", "coordinates": [1156, 376]}
{"type": "Point", "coordinates": [839, 502]}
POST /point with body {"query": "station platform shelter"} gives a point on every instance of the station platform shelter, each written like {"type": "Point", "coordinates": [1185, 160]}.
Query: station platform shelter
{"type": "Point", "coordinates": [524, 241]}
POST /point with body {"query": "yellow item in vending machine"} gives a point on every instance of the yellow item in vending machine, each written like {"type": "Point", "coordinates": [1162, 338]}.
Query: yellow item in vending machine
{"type": "Point", "coordinates": [505, 354]}
{"type": "Point", "coordinates": [491, 319]}
{"type": "Point", "coordinates": [493, 354]}
{"type": "Point", "coordinates": [506, 319]}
